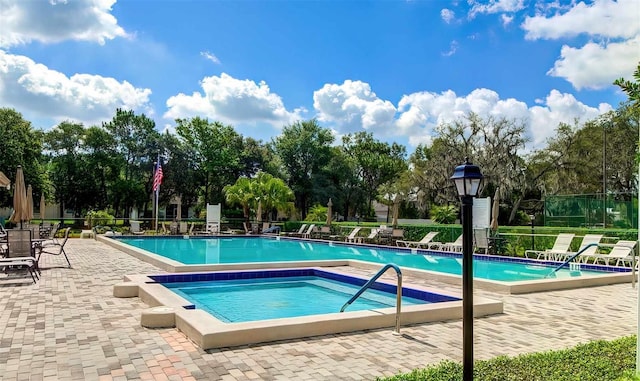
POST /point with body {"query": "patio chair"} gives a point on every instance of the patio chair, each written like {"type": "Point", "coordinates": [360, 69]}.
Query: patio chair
{"type": "Point", "coordinates": [56, 249]}
{"type": "Point", "coordinates": [560, 246]}
{"type": "Point", "coordinates": [455, 246]}
{"type": "Point", "coordinates": [307, 234]}
{"type": "Point", "coordinates": [19, 254]}
{"type": "Point", "coordinates": [299, 232]}
{"type": "Point", "coordinates": [353, 236]}
{"type": "Point", "coordinates": [622, 253]}
{"type": "Point", "coordinates": [45, 229]}
{"type": "Point", "coordinates": [323, 233]}
{"type": "Point", "coordinates": [481, 239]}
{"type": "Point", "coordinates": [52, 239]}
{"type": "Point", "coordinates": [587, 240]}
{"type": "Point", "coordinates": [373, 235]}
{"type": "Point", "coordinates": [183, 227]}
{"type": "Point", "coordinates": [424, 242]}
{"type": "Point", "coordinates": [397, 235]}
{"type": "Point", "coordinates": [135, 228]}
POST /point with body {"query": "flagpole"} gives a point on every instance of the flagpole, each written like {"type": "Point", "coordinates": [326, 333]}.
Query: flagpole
{"type": "Point", "coordinates": [157, 192]}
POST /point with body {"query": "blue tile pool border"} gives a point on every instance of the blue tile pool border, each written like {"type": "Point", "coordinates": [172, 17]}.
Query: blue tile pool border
{"type": "Point", "coordinates": [300, 272]}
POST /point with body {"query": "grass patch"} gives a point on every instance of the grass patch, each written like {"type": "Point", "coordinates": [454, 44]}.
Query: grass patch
{"type": "Point", "coordinates": [595, 361]}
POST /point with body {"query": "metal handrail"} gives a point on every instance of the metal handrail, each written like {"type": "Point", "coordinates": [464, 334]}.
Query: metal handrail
{"type": "Point", "coordinates": [571, 258]}
{"type": "Point", "coordinates": [371, 281]}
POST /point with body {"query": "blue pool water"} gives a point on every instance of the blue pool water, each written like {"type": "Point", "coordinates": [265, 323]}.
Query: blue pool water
{"type": "Point", "coordinates": [273, 298]}
{"type": "Point", "coordinates": [250, 295]}
{"type": "Point", "coordinates": [226, 250]}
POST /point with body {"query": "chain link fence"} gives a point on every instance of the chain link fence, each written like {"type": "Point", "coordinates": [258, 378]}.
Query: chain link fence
{"type": "Point", "coordinates": [618, 210]}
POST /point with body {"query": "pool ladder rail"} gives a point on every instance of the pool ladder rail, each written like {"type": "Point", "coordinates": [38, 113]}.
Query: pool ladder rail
{"type": "Point", "coordinates": [371, 281]}
{"type": "Point", "coordinates": [571, 258]}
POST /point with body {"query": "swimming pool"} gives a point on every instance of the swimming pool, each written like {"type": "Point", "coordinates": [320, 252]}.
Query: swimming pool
{"type": "Point", "coordinates": [275, 298]}
{"type": "Point", "coordinates": [494, 273]}
{"type": "Point", "coordinates": [260, 250]}
{"type": "Point", "coordinates": [209, 331]}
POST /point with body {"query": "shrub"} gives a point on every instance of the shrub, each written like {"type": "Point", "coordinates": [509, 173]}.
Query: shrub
{"type": "Point", "coordinates": [595, 361]}
{"type": "Point", "coordinates": [317, 213]}
{"type": "Point", "coordinates": [445, 214]}
{"type": "Point", "coordinates": [99, 217]}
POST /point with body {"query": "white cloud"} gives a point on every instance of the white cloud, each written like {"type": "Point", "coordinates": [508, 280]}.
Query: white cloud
{"type": "Point", "coordinates": [54, 21]}
{"type": "Point", "coordinates": [606, 18]}
{"type": "Point", "coordinates": [211, 57]}
{"type": "Point", "coordinates": [560, 108]}
{"type": "Point", "coordinates": [421, 112]}
{"type": "Point", "coordinates": [232, 100]}
{"type": "Point", "coordinates": [353, 106]}
{"type": "Point", "coordinates": [26, 85]}
{"type": "Point", "coordinates": [495, 6]}
{"type": "Point", "coordinates": [597, 65]}
{"type": "Point", "coordinates": [453, 47]}
{"type": "Point", "coordinates": [447, 15]}
{"type": "Point", "coordinates": [506, 20]}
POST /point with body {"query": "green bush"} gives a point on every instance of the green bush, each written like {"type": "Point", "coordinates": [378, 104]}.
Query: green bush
{"type": "Point", "coordinates": [99, 217]}
{"type": "Point", "coordinates": [445, 214]}
{"type": "Point", "coordinates": [317, 213]}
{"type": "Point", "coordinates": [595, 361]}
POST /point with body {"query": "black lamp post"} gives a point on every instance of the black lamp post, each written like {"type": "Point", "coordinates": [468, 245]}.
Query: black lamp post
{"type": "Point", "coordinates": [467, 178]}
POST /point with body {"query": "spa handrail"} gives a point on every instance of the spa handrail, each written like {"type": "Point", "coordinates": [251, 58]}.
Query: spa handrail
{"type": "Point", "coordinates": [371, 281]}
{"type": "Point", "coordinates": [571, 258]}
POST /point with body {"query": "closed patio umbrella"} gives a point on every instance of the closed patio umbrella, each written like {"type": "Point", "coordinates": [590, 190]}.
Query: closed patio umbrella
{"type": "Point", "coordinates": [329, 211]}
{"type": "Point", "coordinates": [19, 199]}
{"type": "Point", "coordinates": [495, 210]}
{"type": "Point", "coordinates": [396, 211]}
{"type": "Point", "coordinates": [179, 209]}
{"type": "Point", "coordinates": [29, 212]}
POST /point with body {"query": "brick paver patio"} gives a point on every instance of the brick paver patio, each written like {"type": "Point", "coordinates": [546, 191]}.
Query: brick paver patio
{"type": "Point", "coordinates": [69, 327]}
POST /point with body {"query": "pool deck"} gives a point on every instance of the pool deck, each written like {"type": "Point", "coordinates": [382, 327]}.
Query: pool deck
{"type": "Point", "coordinates": [69, 326]}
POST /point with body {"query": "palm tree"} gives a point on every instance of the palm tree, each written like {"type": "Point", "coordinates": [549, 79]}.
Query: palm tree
{"type": "Point", "coordinates": [272, 192]}
{"type": "Point", "coordinates": [240, 193]}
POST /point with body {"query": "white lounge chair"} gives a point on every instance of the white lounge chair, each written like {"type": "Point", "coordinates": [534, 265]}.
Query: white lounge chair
{"type": "Point", "coordinates": [455, 246]}
{"type": "Point", "coordinates": [560, 247]}
{"type": "Point", "coordinates": [353, 236]}
{"type": "Point", "coordinates": [309, 231]}
{"type": "Point", "coordinates": [371, 237]}
{"type": "Point", "coordinates": [424, 242]}
{"type": "Point", "coordinates": [585, 249]}
{"type": "Point", "coordinates": [299, 232]}
{"type": "Point", "coordinates": [622, 253]}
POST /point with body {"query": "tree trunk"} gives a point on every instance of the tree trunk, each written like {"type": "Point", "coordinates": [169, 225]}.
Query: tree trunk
{"type": "Point", "coordinates": [514, 209]}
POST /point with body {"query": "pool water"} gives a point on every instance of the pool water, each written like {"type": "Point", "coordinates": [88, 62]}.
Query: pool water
{"type": "Point", "coordinates": [273, 298]}
{"type": "Point", "coordinates": [226, 250]}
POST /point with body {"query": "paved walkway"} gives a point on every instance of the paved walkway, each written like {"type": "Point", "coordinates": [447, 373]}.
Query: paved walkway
{"type": "Point", "coordinates": [70, 327]}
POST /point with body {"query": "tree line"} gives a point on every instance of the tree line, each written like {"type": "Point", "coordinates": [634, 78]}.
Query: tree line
{"type": "Point", "coordinates": [110, 167]}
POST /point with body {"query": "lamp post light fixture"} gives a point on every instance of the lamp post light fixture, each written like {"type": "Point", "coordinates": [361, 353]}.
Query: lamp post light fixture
{"type": "Point", "coordinates": [533, 231]}
{"type": "Point", "coordinates": [467, 178]}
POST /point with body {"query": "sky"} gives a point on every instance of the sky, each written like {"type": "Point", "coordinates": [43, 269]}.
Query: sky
{"type": "Point", "coordinates": [396, 69]}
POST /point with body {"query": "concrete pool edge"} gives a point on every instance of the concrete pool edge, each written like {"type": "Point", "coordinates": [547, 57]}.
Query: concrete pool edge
{"type": "Point", "coordinates": [208, 332]}
{"type": "Point", "coordinates": [515, 287]}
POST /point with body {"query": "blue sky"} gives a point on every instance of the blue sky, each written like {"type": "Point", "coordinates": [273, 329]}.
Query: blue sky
{"type": "Point", "coordinates": [394, 68]}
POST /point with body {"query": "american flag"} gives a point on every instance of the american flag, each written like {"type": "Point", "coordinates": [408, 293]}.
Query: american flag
{"type": "Point", "coordinates": [157, 178]}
